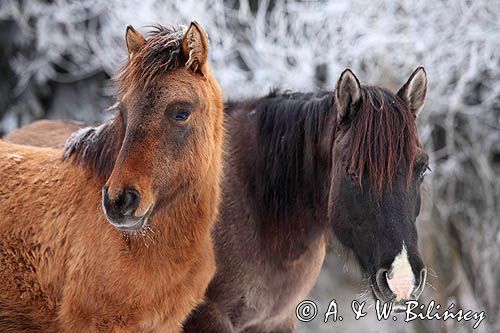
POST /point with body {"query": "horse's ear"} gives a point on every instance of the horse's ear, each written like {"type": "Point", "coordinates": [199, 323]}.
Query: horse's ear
{"type": "Point", "coordinates": [413, 92]}
{"type": "Point", "coordinates": [347, 93]}
{"type": "Point", "coordinates": [195, 48]}
{"type": "Point", "coordinates": [134, 40]}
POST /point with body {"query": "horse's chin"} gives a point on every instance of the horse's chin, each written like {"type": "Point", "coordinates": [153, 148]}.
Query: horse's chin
{"type": "Point", "coordinates": [137, 224]}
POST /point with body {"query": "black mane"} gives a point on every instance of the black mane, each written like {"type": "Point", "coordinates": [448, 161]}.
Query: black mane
{"type": "Point", "coordinates": [290, 128]}
{"type": "Point", "coordinates": [96, 147]}
{"type": "Point", "coordinates": [285, 164]}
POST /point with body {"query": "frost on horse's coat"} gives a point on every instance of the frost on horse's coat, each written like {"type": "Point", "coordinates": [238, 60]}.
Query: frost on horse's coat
{"type": "Point", "coordinates": [63, 266]}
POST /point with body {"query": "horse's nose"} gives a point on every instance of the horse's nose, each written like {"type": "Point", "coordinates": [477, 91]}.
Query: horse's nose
{"type": "Point", "coordinates": [121, 207]}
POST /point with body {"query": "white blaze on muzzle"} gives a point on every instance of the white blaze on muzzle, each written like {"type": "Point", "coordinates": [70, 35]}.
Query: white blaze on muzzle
{"type": "Point", "coordinates": [400, 278]}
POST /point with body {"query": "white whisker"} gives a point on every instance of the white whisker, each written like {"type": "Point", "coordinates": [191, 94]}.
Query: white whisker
{"type": "Point", "coordinates": [430, 286]}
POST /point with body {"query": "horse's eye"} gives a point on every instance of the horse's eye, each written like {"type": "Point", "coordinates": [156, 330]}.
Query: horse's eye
{"type": "Point", "coordinates": [181, 115]}
{"type": "Point", "coordinates": [423, 172]}
{"type": "Point", "coordinates": [351, 173]}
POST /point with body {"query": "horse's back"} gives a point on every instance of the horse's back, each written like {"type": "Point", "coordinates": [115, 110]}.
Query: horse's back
{"type": "Point", "coordinates": [44, 133]}
{"type": "Point", "coordinates": [26, 156]}
{"type": "Point", "coordinates": [27, 172]}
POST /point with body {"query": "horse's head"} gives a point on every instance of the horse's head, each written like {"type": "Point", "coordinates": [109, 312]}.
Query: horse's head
{"type": "Point", "coordinates": [378, 167]}
{"type": "Point", "coordinates": [170, 109]}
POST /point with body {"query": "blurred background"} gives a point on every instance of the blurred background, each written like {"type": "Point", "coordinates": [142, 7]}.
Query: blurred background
{"type": "Point", "coordinates": [57, 56]}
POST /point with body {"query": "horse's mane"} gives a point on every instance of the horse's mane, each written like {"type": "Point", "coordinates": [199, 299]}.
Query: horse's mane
{"type": "Point", "coordinates": [98, 147]}
{"type": "Point", "coordinates": [289, 128]}
{"type": "Point", "coordinates": [384, 137]}
{"type": "Point", "coordinates": [288, 171]}
{"type": "Point", "coordinates": [162, 52]}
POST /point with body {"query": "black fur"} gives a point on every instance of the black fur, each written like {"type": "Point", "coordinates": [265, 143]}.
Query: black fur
{"type": "Point", "coordinates": [97, 147]}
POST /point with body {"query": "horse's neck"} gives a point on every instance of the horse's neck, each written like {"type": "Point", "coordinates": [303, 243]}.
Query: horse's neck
{"type": "Point", "coordinates": [289, 217]}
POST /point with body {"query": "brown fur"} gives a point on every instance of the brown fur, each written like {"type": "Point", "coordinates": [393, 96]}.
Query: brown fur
{"type": "Point", "coordinates": [44, 133]}
{"type": "Point", "coordinates": [288, 184]}
{"type": "Point", "coordinates": [63, 267]}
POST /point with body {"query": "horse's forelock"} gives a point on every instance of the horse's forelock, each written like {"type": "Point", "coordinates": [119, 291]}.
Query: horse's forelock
{"type": "Point", "coordinates": [161, 52]}
{"type": "Point", "coordinates": [384, 139]}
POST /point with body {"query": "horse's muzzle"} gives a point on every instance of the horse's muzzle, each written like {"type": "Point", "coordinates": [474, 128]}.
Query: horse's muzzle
{"type": "Point", "coordinates": [120, 211]}
{"type": "Point", "coordinates": [383, 292]}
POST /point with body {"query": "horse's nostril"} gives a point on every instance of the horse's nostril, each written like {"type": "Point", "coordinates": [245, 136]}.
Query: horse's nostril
{"type": "Point", "coordinates": [383, 292]}
{"type": "Point", "coordinates": [105, 198]}
{"type": "Point", "coordinates": [128, 201]}
{"type": "Point", "coordinates": [125, 204]}
{"type": "Point", "coordinates": [421, 284]}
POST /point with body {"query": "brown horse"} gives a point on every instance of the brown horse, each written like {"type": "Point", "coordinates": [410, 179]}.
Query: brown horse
{"type": "Point", "coordinates": [114, 234]}
{"type": "Point", "coordinates": [299, 169]}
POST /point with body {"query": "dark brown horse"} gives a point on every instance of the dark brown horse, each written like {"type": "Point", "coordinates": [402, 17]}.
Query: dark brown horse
{"type": "Point", "coordinates": [299, 169]}
{"type": "Point", "coordinates": [114, 234]}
